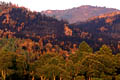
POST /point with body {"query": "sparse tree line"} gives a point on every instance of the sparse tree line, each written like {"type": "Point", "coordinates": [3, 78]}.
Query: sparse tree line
{"type": "Point", "coordinates": [18, 63]}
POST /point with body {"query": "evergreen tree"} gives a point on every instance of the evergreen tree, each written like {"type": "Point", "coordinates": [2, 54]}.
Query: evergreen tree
{"type": "Point", "coordinates": [84, 47]}
{"type": "Point", "coordinates": [105, 50]}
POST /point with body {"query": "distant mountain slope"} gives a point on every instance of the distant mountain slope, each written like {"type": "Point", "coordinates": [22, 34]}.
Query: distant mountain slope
{"type": "Point", "coordinates": [78, 14]}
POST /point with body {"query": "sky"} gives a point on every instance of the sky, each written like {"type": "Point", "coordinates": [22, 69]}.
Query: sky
{"type": "Point", "coordinates": [42, 5]}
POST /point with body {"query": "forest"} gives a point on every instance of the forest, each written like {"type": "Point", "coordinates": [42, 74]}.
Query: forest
{"type": "Point", "coordinates": [34, 46]}
{"type": "Point", "coordinates": [23, 59]}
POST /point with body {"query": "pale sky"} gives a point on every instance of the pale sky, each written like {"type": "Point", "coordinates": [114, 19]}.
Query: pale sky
{"type": "Point", "coordinates": [40, 5]}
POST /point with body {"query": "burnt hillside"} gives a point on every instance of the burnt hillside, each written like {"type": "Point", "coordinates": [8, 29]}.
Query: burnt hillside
{"type": "Point", "coordinates": [24, 22]}
{"type": "Point", "coordinates": [104, 29]}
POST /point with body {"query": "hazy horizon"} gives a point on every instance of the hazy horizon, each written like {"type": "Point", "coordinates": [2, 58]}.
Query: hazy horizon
{"type": "Point", "coordinates": [40, 5]}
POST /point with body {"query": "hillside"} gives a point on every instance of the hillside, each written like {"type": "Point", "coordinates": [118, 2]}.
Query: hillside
{"type": "Point", "coordinates": [22, 23]}
{"type": "Point", "coordinates": [78, 14]}
{"type": "Point", "coordinates": [26, 23]}
{"type": "Point", "coordinates": [103, 29]}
